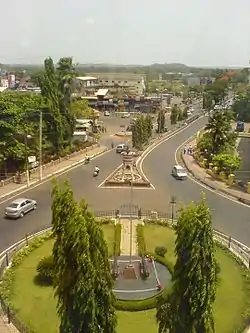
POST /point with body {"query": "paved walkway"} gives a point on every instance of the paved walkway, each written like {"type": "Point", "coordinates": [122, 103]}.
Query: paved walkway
{"type": "Point", "coordinates": [5, 327]}
{"type": "Point", "coordinates": [201, 175]}
{"type": "Point", "coordinates": [50, 171]}
{"type": "Point", "coordinates": [125, 236]}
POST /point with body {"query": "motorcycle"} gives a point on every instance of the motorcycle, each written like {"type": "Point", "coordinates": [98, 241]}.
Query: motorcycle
{"type": "Point", "coordinates": [96, 173]}
{"type": "Point", "coordinates": [87, 160]}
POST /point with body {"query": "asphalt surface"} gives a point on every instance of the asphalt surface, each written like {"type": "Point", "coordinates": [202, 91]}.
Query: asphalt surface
{"type": "Point", "coordinates": [229, 217]}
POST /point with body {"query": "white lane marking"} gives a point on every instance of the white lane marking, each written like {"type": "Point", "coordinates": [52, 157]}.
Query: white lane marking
{"type": "Point", "coordinates": [55, 175]}
{"type": "Point", "coordinates": [228, 197]}
{"type": "Point", "coordinates": [140, 164]}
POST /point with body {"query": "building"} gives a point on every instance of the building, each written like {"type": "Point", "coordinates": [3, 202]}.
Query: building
{"type": "Point", "coordinates": [116, 83]}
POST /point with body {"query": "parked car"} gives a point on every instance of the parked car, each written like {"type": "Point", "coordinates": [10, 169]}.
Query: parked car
{"type": "Point", "coordinates": [121, 148]}
{"type": "Point", "coordinates": [179, 172]}
{"type": "Point", "coordinates": [19, 207]}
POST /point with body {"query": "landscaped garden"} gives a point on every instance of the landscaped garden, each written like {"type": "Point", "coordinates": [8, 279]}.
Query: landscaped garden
{"type": "Point", "coordinates": [36, 305]}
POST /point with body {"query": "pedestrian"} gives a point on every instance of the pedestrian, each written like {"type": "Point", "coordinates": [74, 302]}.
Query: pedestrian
{"type": "Point", "coordinates": [185, 150]}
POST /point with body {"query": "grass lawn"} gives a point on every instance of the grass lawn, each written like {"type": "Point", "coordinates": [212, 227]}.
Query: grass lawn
{"type": "Point", "coordinates": [39, 304]}
{"type": "Point", "coordinates": [230, 299]}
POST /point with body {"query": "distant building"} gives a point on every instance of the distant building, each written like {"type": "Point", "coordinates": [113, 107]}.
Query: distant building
{"type": "Point", "coordinates": [116, 83]}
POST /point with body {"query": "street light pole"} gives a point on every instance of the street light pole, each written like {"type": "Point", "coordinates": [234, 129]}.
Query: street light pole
{"type": "Point", "coordinates": [130, 224]}
{"type": "Point", "coordinates": [40, 145]}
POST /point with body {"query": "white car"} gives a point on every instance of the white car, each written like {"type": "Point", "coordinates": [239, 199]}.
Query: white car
{"type": "Point", "coordinates": [106, 113]}
{"type": "Point", "coordinates": [126, 115]}
{"type": "Point", "coordinates": [179, 172]}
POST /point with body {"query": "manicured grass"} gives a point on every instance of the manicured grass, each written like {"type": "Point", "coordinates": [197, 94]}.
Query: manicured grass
{"type": "Point", "coordinates": [230, 299]}
{"type": "Point", "coordinates": [37, 306]}
{"type": "Point", "coordinates": [109, 230]}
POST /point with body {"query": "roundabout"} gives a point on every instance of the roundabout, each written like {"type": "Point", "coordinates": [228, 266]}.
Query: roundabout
{"type": "Point", "coordinates": [35, 305]}
{"type": "Point", "coordinates": [228, 216]}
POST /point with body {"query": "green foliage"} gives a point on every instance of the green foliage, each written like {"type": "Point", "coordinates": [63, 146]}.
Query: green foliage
{"type": "Point", "coordinates": [219, 136]}
{"type": "Point", "coordinates": [226, 162]}
{"type": "Point", "coordinates": [141, 131]}
{"type": "Point", "coordinates": [117, 239]}
{"type": "Point", "coordinates": [140, 240]}
{"type": "Point", "coordinates": [241, 107]}
{"type": "Point", "coordinates": [217, 91]}
{"type": "Point", "coordinates": [83, 282]}
{"type": "Point", "coordinates": [80, 109]}
{"type": "Point", "coordinates": [46, 271]}
{"type": "Point", "coordinates": [18, 118]}
{"type": "Point", "coordinates": [161, 120]}
{"type": "Point", "coordinates": [189, 308]}
{"type": "Point", "coordinates": [161, 251]}
{"type": "Point", "coordinates": [174, 115]}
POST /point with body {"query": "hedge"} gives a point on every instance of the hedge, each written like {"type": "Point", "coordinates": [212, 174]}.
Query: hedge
{"type": "Point", "coordinates": [140, 240]}
{"type": "Point", "coordinates": [117, 239]}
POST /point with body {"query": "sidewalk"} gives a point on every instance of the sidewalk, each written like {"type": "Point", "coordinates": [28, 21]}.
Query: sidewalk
{"type": "Point", "coordinates": [4, 326]}
{"type": "Point", "coordinates": [125, 236]}
{"type": "Point", "coordinates": [52, 169]}
{"type": "Point", "coordinates": [202, 176]}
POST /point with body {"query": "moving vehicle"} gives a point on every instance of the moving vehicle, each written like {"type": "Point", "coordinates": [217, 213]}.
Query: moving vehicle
{"type": "Point", "coordinates": [125, 115]}
{"type": "Point", "coordinates": [121, 147]}
{"type": "Point", "coordinates": [96, 171]}
{"type": "Point", "coordinates": [19, 207]}
{"type": "Point", "coordinates": [179, 172]}
{"type": "Point", "coordinates": [106, 113]}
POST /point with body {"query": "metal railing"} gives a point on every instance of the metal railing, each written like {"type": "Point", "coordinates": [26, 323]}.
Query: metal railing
{"type": "Point", "coordinates": [240, 250]}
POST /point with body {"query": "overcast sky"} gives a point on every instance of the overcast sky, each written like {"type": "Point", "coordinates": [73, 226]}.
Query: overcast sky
{"type": "Point", "coordinates": [193, 32]}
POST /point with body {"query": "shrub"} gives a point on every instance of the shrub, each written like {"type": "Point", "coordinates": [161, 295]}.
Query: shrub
{"type": "Point", "coordinates": [161, 251]}
{"type": "Point", "coordinates": [45, 270]}
{"type": "Point", "coordinates": [117, 239]}
{"type": "Point", "coordinates": [140, 240]}
{"type": "Point", "coordinates": [105, 220]}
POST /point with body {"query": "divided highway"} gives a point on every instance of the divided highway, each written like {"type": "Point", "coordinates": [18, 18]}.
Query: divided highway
{"type": "Point", "coordinates": [228, 216]}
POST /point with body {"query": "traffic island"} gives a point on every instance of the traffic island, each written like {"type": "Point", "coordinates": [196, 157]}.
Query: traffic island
{"type": "Point", "coordinates": [127, 175]}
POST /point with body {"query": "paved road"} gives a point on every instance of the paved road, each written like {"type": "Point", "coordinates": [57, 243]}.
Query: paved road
{"type": "Point", "coordinates": [228, 216]}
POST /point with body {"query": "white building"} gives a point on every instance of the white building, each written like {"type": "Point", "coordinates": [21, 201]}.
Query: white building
{"type": "Point", "coordinates": [128, 83]}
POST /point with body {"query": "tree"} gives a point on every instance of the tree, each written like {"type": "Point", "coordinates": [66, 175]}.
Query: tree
{"type": "Point", "coordinates": [149, 125]}
{"type": "Point", "coordinates": [103, 282]}
{"type": "Point", "coordinates": [53, 117]}
{"type": "Point", "coordinates": [220, 131]}
{"type": "Point", "coordinates": [217, 91]}
{"type": "Point", "coordinates": [241, 107]}
{"type": "Point", "coordinates": [66, 73]}
{"type": "Point", "coordinates": [18, 118]}
{"type": "Point", "coordinates": [161, 121]}
{"type": "Point", "coordinates": [174, 115]}
{"type": "Point", "coordinates": [185, 112]}
{"type": "Point", "coordinates": [207, 101]}
{"type": "Point", "coordinates": [226, 162]}
{"type": "Point", "coordinates": [80, 109]}
{"type": "Point", "coordinates": [189, 307]}
{"type": "Point", "coordinates": [74, 271]}
{"type": "Point", "coordinates": [140, 132]}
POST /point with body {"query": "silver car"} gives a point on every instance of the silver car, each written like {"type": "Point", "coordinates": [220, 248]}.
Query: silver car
{"type": "Point", "coordinates": [20, 207]}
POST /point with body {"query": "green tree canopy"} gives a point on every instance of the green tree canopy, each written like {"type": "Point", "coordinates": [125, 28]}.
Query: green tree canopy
{"type": "Point", "coordinates": [189, 307]}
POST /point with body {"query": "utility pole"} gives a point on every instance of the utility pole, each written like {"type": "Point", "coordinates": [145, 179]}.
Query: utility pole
{"type": "Point", "coordinates": [40, 145]}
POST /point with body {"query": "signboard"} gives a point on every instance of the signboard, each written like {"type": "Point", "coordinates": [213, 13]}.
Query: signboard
{"type": "Point", "coordinates": [31, 159]}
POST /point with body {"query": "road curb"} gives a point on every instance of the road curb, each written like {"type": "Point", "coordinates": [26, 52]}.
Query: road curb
{"type": "Point", "coordinates": [54, 174]}
{"type": "Point", "coordinates": [181, 160]}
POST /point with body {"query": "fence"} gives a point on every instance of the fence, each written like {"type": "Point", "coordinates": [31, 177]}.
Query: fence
{"type": "Point", "coordinates": [240, 250]}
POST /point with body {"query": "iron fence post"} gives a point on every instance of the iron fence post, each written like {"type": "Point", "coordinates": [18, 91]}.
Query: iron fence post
{"type": "Point", "coordinates": [7, 259]}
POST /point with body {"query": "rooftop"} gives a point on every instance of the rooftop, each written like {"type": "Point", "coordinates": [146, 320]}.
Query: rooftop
{"type": "Point", "coordinates": [119, 76]}
{"type": "Point", "coordinates": [86, 78]}
{"type": "Point", "coordinates": [102, 92]}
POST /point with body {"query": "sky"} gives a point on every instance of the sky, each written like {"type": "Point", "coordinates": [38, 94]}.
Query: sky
{"type": "Point", "coordinates": [196, 32]}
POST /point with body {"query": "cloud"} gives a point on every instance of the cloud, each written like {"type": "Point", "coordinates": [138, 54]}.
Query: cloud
{"type": "Point", "coordinates": [90, 21]}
